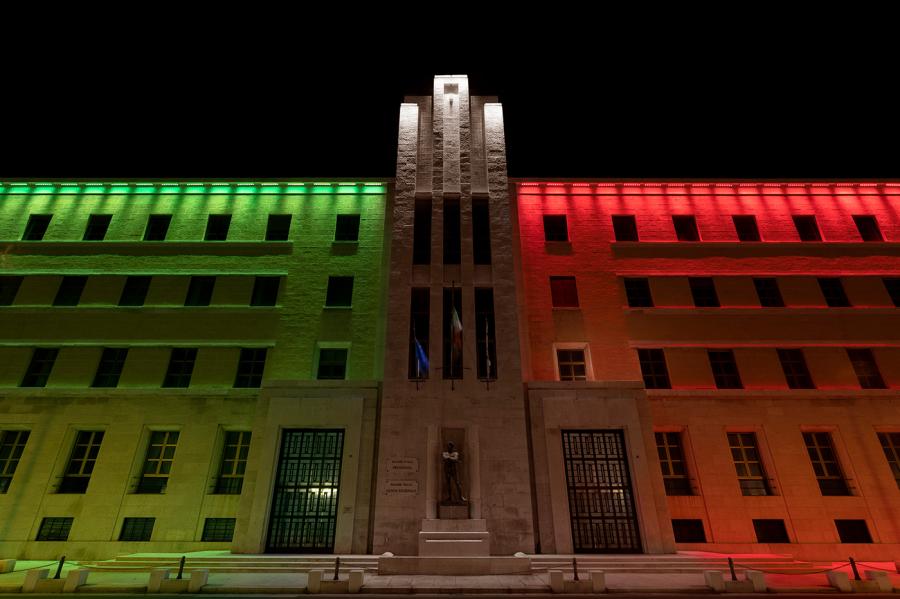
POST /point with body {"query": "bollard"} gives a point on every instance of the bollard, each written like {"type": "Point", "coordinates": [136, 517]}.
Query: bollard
{"type": "Point", "coordinates": [575, 569]}
{"type": "Point", "coordinates": [180, 568]}
{"type": "Point", "coordinates": [731, 569]}
{"type": "Point", "coordinates": [337, 567]}
{"type": "Point", "coordinates": [59, 568]}
{"type": "Point", "coordinates": [853, 567]}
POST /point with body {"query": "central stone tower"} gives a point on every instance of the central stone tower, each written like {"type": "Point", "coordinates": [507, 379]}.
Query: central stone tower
{"type": "Point", "coordinates": [452, 250]}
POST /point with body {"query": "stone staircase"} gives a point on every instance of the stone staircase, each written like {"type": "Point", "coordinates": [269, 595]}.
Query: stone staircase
{"type": "Point", "coordinates": [678, 563]}
{"type": "Point", "coordinates": [234, 563]}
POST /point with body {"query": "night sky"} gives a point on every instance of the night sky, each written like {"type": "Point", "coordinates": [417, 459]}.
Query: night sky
{"type": "Point", "coordinates": [704, 112]}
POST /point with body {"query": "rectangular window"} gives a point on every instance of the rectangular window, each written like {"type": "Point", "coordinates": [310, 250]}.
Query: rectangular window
{"type": "Point", "coordinates": [866, 368]}
{"type": "Point", "coordinates": [451, 231]}
{"type": "Point", "coordinates": [637, 291]}
{"type": "Point", "coordinates": [892, 286]}
{"type": "Point", "coordinates": [571, 364]}
{"type": "Point", "coordinates": [134, 293]}
{"type": "Point", "coordinates": [218, 530]}
{"type": "Point", "coordinates": [234, 463]}
{"type": "Point", "coordinates": [346, 227]}
{"type": "Point", "coordinates": [12, 445]}
{"type": "Point", "coordinates": [770, 531]}
{"type": "Point", "coordinates": [40, 367]}
{"type": "Point", "coordinates": [563, 292]}
{"type": "Point", "coordinates": [339, 293]}
{"type": "Point", "coordinates": [481, 232]}
{"type": "Point", "coordinates": [158, 463]}
{"type": "Point", "coordinates": [556, 228]}
{"type": "Point", "coordinates": [278, 228]}
{"type": "Point", "coordinates": [868, 228]}
{"type": "Point", "coordinates": [422, 232]}
{"type": "Point", "coordinates": [332, 363]}
{"type": "Point", "coordinates": [69, 292]}
{"type": "Point", "coordinates": [833, 291]}
{"type": "Point", "coordinates": [686, 228]}
{"type": "Point", "coordinates": [265, 291]}
{"type": "Point", "coordinates": [200, 291]}
{"type": "Point", "coordinates": [54, 529]}
{"type": "Point", "coordinates": [110, 368]}
{"type": "Point", "coordinates": [747, 464]}
{"type": "Point", "coordinates": [672, 462]}
{"type": "Point", "coordinates": [625, 227]}
{"type": "Point", "coordinates": [793, 363]}
{"type": "Point", "coordinates": [485, 334]}
{"type": "Point", "coordinates": [157, 227]}
{"type": "Point", "coordinates": [768, 292]}
{"type": "Point", "coordinates": [136, 529]}
{"type": "Point", "coordinates": [703, 290]}
{"type": "Point", "coordinates": [807, 228]}
{"type": "Point", "coordinates": [217, 226]}
{"type": "Point", "coordinates": [724, 369]}
{"type": "Point", "coordinates": [419, 325]}
{"type": "Point", "coordinates": [452, 334]}
{"type": "Point", "coordinates": [98, 225]}
{"type": "Point", "coordinates": [36, 227]}
{"type": "Point", "coordinates": [653, 369]}
{"type": "Point", "coordinates": [890, 444]}
{"type": "Point", "coordinates": [825, 464]}
{"type": "Point", "coordinates": [9, 288]}
{"type": "Point", "coordinates": [853, 531]}
{"type": "Point", "coordinates": [181, 367]}
{"type": "Point", "coordinates": [81, 462]}
{"type": "Point", "coordinates": [746, 228]}
{"type": "Point", "coordinates": [250, 369]}
{"type": "Point", "coordinates": [688, 531]}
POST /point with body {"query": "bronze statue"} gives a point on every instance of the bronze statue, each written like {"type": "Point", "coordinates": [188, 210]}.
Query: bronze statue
{"type": "Point", "coordinates": [451, 475]}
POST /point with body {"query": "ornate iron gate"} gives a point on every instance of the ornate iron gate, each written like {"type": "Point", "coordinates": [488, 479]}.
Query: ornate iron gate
{"type": "Point", "coordinates": [601, 501]}
{"type": "Point", "coordinates": [305, 498]}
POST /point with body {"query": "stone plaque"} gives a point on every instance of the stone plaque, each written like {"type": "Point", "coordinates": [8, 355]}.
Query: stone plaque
{"type": "Point", "coordinates": [401, 487]}
{"type": "Point", "coordinates": [400, 466]}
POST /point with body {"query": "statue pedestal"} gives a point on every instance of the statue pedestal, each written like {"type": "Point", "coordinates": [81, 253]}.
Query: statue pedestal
{"type": "Point", "coordinates": [453, 511]}
{"type": "Point", "coordinates": [454, 537]}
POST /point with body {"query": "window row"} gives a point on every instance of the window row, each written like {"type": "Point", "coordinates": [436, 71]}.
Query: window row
{"type": "Point", "coordinates": [751, 472]}
{"type": "Point", "coordinates": [278, 227]}
{"type": "Point", "coordinates": [771, 530]}
{"type": "Point", "coordinates": [215, 530]}
{"type": "Point", "coordinates": [685, 226]}
{"type": "Point", "coordinates": [155, 469]}
{"type": "Point", "coordinates": [452, 231]}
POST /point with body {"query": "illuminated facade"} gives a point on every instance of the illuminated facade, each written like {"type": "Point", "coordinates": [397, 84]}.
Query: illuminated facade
{"type": "Point", "coordinates": [643, 367]}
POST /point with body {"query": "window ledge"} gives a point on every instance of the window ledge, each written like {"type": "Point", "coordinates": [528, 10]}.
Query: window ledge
{"type": "Point", "coordinates": [744, 310]}
{"type": "Point", "coordinates": [147, 248]}
{"type": "Point", "coordinates": [693, 249]}
{"type": "Point", "coordinates": [326, 307]}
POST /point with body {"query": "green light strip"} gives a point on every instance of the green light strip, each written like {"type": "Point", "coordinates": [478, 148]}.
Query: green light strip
{"type": "Point", "coordinates": [238, 188]}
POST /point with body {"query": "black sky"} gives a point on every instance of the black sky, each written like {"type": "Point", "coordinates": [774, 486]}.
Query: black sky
{"type": "Point", "coordinates": [139, 108]}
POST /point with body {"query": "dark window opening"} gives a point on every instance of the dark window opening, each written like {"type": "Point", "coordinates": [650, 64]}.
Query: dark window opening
{"type": "Point", "coordinates": [451, 231]}
{"type": "Point", "coordinates": [40, 367]}
{"type": "Point", "coordinates": [892, 286]}
{"type": "Point", "coordinates": [807, 228]}
{"type": "Point", "coordinates": [112, 361]}
{"type": "Point", "coordinates": [793, 363]}
{"type": "Point", "coordinates": [825, 464]}
{"type": "Point", "coordinates": [890, 444]}
{"type": "Point", "coordinates": [158, 462]}
{"type": "Point", "coordinates": [556, 228]}
{"type": "Point", "coordinates": [746, 228]}
{"type": "Point", "coordinates": [563, 292]}
{"type": "Point", "coordinates": [637, 291]}
{"type": "Point", "coordinates": [346, 227]}
{"type": "Point", "coordinates": [485, 334]}
{"type": "Point", "coordinates": [12, 446]}
{"type": "Point", "coordinates": [98, 225]}
{"type": "Point", "coordinates": [452, 334]}
{"type": "Point", "coordinates": [866, 368]}
{"type": "Point", "coordinates": [833, 290]}
{"type": "Point", "coordinates": [419, 323]}
{"type": "Point", "coordinates": [340, 292]}
{"type": "Point", "coordinates": [653, 369]}
{"type": "Point", "coordinates": [422, 232]}
{"type": "Point", "coordinates": [868, 228]}
{"type": "Point", "coordinates": [218, 530]}
{"type": "Point", "coordinates": [54, 529]}
{"type": "Point", "coordinates": [81, 462]}
{"type": "Point", "coordinates": [332, 363]}
{"type": "Point", "coordinates": [217, 226]}
{"type": "Point", "coordinates": [672, 462]}
{"type": "Point", "coordinates": [688, 531]}
{"type": "Point", "coordinates": [157, 227]}
{"type": "Point", "coordinates": [251, 364]}
{"type": "Point", "coordinates": [748, 464]}
{"type": "Point", "coordinates": [768, 293]}
{"type": "Point", "coordinates": [770, 531]}
{"type": "Point", "coordinates": [134, 293]}
{"type": "Point", "coordinates": [278, 228]}
{"type": "Point", "coordinates": [36, 227]}
{"type": "Point", "coordinates": [686, 228]}
{"type": "Point", "coordinates": [200, 291]}
{"type": "Point", "coordinates": [265, 291]}
{"type": "Point", "coordinates": [9, 288]}
{"type": "Point", "coordinates": [724, 369]}
{"type": "Point", "coordinates": [234, 463]}
{"type": "Point", "coordinates": [625, 228]}
{"type": "Point", "coordinates": [181, 367]}
{"type": "Point", "coordinates": [481, 232]}
{"type": "Point", "coordinates": [69, 292]}
{"type": "Point", "coordinates": [703, 290]}
{"type": "Point", "coordinates": [137, 529]}
{"type": "Point", "coordinates": [571, 364]}
{"type": "Point", "coordinates": [853, 531]}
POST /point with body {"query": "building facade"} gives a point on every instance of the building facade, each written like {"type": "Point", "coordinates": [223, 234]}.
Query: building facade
{"type": "Point", "coordinates": [276, 366]}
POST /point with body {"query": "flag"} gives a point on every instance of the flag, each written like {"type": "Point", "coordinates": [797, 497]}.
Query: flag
{"type": "Point", "coordinates": [487, 350]}
{"type": "Point", "coordinates": [421, 360]}
{"type": "Point", "coordinates": [457, 330]}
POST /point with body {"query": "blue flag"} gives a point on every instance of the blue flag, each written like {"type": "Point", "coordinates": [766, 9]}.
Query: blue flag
{"type": "Point", "coordinates": [421, 360]}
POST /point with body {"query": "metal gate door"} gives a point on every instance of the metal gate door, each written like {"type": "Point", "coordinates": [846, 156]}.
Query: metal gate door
{"type": "Point", "coordinates": [601, 502]}
{"type": "Point", "coordinates": [305, 498]}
